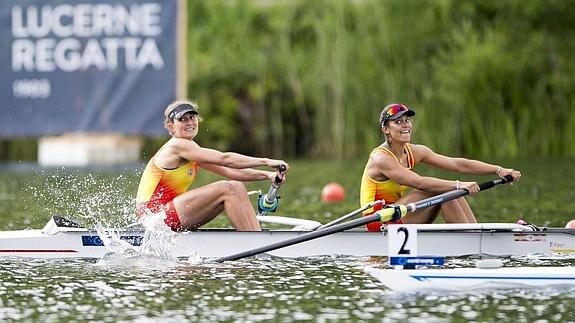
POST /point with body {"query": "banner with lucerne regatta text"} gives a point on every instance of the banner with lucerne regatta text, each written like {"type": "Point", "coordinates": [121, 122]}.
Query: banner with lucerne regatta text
{"type": "Point", "coordinates": [86, 66]}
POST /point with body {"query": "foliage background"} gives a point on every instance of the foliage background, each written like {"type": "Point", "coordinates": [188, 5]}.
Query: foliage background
{"type": "Point", "coordinates": [309, 78]}
{"type": "Point", "coordinates": [490, 78]}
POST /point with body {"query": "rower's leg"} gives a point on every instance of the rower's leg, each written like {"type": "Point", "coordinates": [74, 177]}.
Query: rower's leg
{"type": "Point", "coordinates": [199, 206]}
{"type": "Point", "coordinates": [454, 211]}
{"type": "Point", "coordinates": [425, 215]}
{"type": "Point", "coordinates": [239, 208]}
{"type": "Point", "coordinates": [466, 209]}
{"type": "Point", "coordinates": [457, 211]}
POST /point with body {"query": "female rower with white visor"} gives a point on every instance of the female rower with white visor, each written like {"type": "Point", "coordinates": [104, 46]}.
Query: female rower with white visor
{"type": "Point", "coordinates": [164, 184]}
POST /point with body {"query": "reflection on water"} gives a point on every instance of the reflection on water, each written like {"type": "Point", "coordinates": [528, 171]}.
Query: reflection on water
{"type": "Point", "coordinates": [264, 288]}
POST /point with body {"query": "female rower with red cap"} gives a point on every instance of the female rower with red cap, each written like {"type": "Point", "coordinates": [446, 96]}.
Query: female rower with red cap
{"type": "Point", "coordinates": [389, 173]}
{"type": "Point", "coordinates": [170, 172]}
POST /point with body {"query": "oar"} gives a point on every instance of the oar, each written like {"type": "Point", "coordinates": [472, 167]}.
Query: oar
{"type": "Point", "coordinates": [269, 202]}
{"type": "Point", "coordinates": [390, 213]}
{"type": "Point", "coordinates": [350, 214]}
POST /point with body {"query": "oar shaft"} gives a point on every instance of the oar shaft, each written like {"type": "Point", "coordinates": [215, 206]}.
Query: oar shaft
{"type": "Point", "coordinates": [305, 237]}
{"type": "Point", "coordinates": [383, 215]}
{"type": "Point", "coordinates": [350, 214]}
{"type": "Point", "coordinates": [451, 195]}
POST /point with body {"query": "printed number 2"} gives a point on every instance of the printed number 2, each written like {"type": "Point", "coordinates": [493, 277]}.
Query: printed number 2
{"type": "Point", "coordinates": [402, 240]}
{"type": "Point", "coordinates": [403, 250]}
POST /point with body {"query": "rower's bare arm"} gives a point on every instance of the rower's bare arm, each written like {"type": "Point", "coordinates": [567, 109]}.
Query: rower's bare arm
{"type": "Point", "coordinates": [390, 168]}
{"type": "Point", "coordinates": [238, 174]}
{"type": "Point", "coordinates": [463, 165]}
{"type": "Point", "coordinates": [430, 157]}
{"type": "Point", "coordinates": [190, 150]}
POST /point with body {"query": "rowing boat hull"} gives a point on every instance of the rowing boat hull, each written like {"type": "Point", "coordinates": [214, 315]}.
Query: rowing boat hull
{"type": "Point", "coordinates": [471, 279]}
{"type": "Point", "coordinates": [441, 241]}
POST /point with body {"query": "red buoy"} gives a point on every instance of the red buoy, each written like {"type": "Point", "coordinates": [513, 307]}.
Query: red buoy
{"type": "Point", "coordinates": [332, 192]}
{"type": "Point", "coordinates": [570, 224]}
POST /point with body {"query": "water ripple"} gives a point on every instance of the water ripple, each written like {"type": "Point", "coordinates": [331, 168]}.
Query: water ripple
{"type": "Point", "coordinates": [257, 289]}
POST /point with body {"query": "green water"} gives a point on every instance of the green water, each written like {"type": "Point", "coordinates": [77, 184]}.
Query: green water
{"type": "Point", "coordinates": [256, 290]}
{"type": "Point", "coordinates": [262, 289]}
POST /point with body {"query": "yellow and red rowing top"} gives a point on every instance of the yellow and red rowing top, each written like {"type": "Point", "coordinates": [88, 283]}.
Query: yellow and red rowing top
{"type": "Point", "coordinates": [388, 190]}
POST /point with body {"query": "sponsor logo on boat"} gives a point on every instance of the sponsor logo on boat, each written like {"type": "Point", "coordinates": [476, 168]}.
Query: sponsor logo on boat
{"type": "Point", "coordinates": [96, 241]}
{"type": "Point", "coordinates": [557, 245]}
{"type": "Point", "coordinates": [529, 237]}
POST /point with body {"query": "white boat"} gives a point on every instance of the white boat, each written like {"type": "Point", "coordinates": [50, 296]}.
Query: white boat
{"type": "Point", "coordinates": [472, 279]}
{"type": "Point", "coordinates": [61, 238]}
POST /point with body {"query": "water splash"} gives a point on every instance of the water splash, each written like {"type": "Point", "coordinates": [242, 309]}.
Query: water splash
{"type": "Point", "coordinates": [158, 244]}
{"type": "Point", "coordinates": [194, 259]}
{"type": "Point", "coordinates": [159, 240]}
{"type": "Point", "coordinates": [104, 202]}
{"type": "Point", "coordinates": [117, 248]}
{"type": "Point", "coordinates": [88, 198]}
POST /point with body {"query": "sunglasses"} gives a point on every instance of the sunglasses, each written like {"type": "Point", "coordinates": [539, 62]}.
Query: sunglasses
{"type": "Point", "coordinates": [393, 110]}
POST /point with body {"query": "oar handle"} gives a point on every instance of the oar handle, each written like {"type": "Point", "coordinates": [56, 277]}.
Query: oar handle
{"type": "Point", "coordinates": [272, 193]}
{"type": "Point", "coordinates": [490, 184]}
{"type": "Point", "coordinates": [280, 174]}
{"type": "Point", "coordinates": [269, 202]}
{"type": "Point", "coordinates": [451, 195]}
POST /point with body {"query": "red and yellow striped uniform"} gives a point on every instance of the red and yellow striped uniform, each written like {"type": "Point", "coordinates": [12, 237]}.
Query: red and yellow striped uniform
{"type": "Point", "coordinates": [390, 191]}
{"type": "Point", "coordinates": [158, 187]}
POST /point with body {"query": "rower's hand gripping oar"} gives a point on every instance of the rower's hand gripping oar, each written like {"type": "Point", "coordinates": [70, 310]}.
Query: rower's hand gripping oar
{"type": "Point", "coordinates": [387, 214]}
{"type": "Point", "coordinates": [451, 195]}
{"type": "Point", "coordinates": [269, 202]}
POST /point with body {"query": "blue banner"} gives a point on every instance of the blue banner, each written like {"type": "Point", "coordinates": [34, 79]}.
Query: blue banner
{"type": "Point", "coordinates": [89, 66]}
